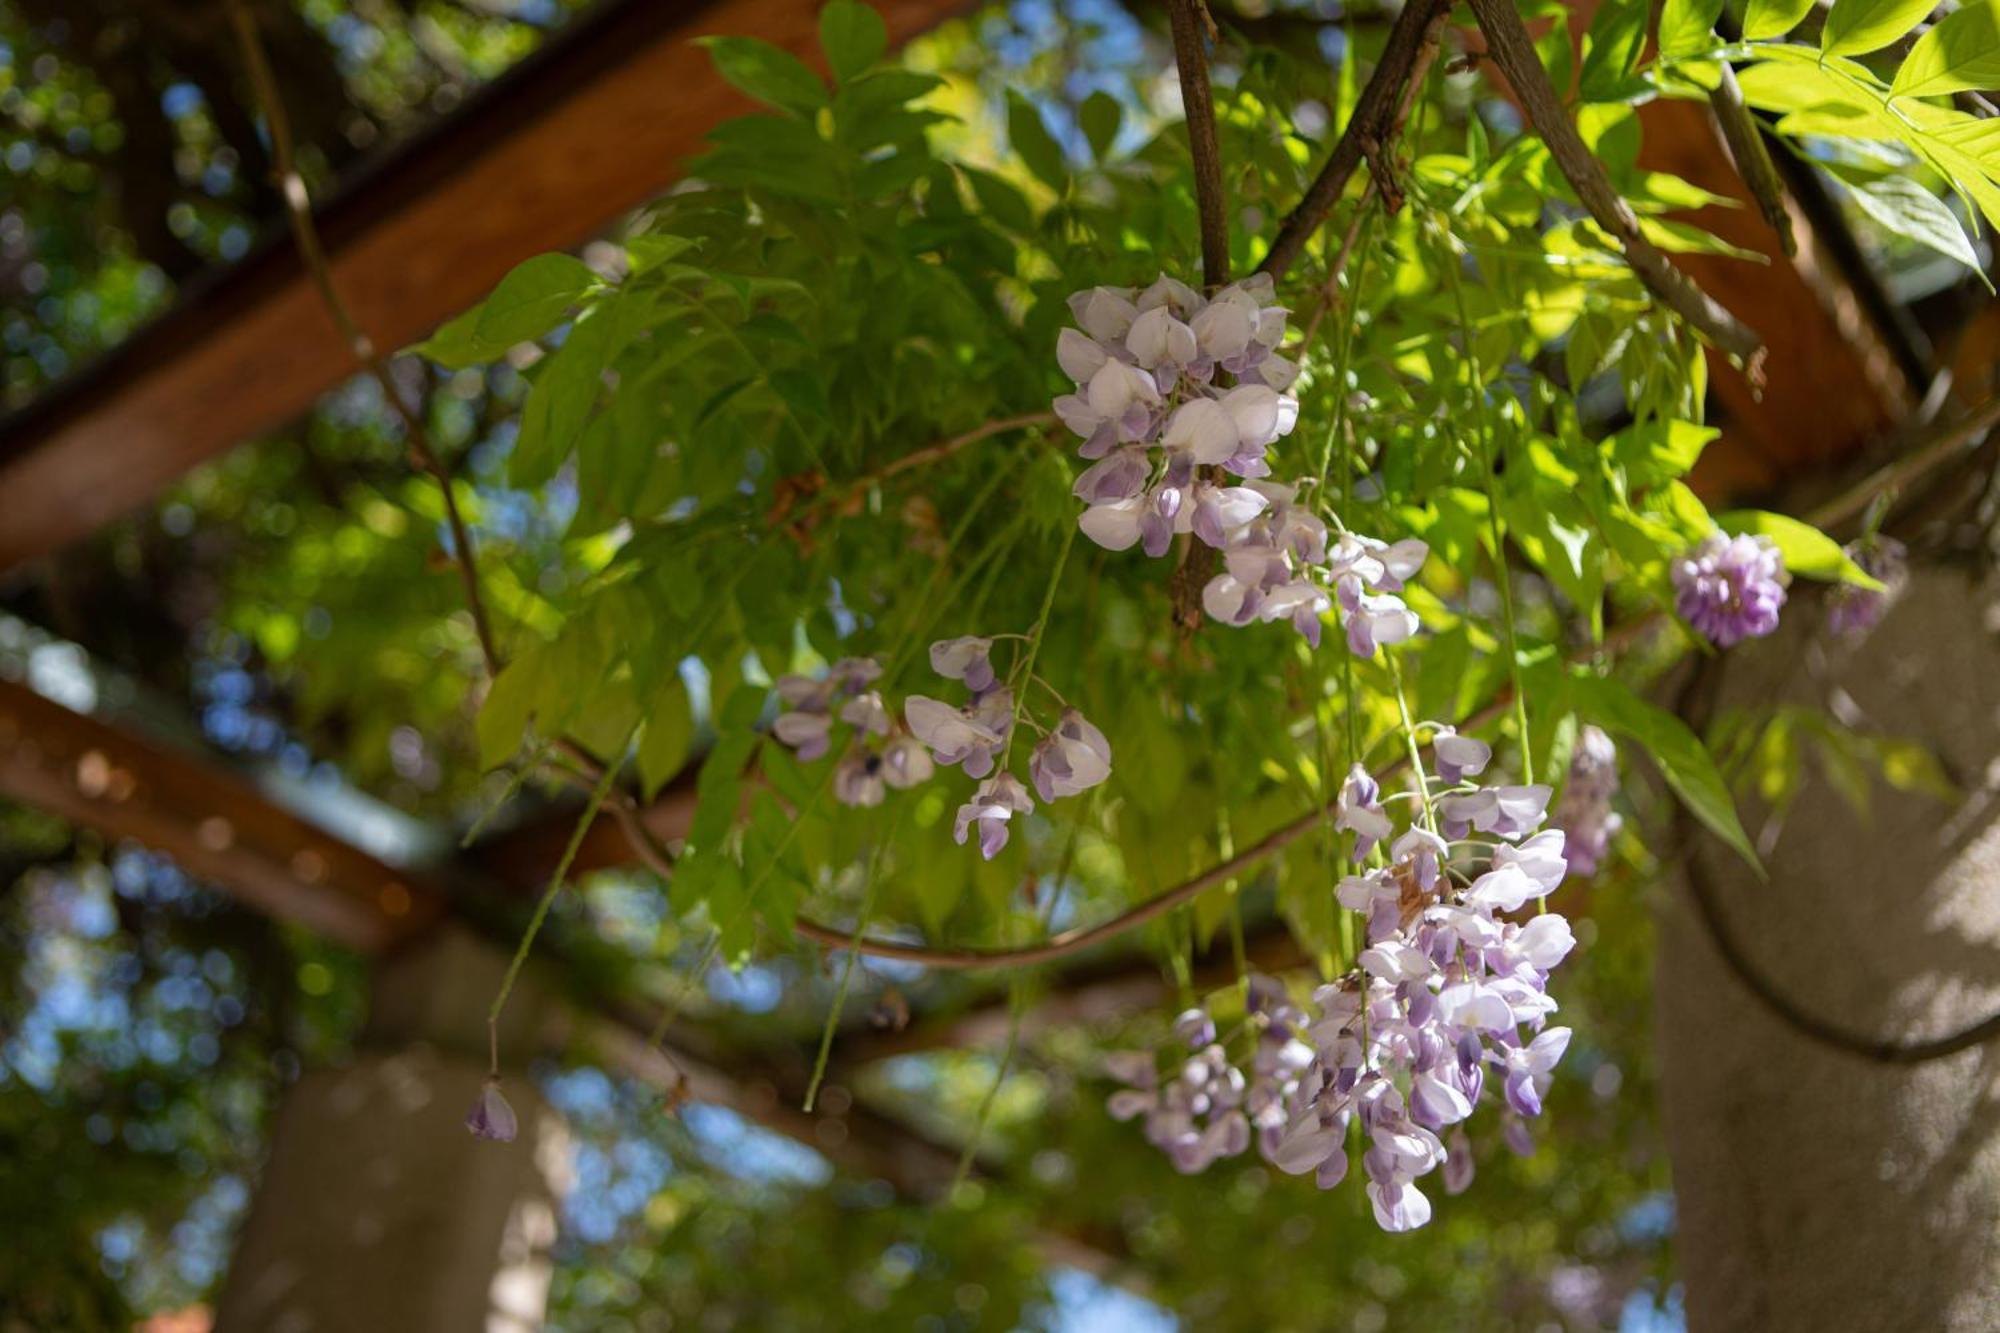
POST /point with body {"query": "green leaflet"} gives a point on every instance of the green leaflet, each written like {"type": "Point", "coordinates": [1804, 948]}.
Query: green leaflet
{"type": "Point", "coordinates": [1031, 139]}
{"type": "Point", "coordinates": [1961, 52]}
{"type": "Point", "coordinates": [769, 74]}
{"type": "Point", "coordinates": [1099, 117]}
{"type": "Point", "coordinates": [1808, 552]}
{"type": "Point", "coordinates": [1772, 18]}
{"type": "Point", "coordinates": [1683, 760]}
{"type": "Point", "coordinates": [532, 299]}
{"type": "Point", "coordinates": [853, 37]}
{"type": "Point", "coordinates": [1856, 27]}
{"type": "Point", "coordinates": [1688, 26]}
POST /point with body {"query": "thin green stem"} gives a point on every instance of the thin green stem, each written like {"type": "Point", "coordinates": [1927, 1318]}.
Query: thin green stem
{"type": "Point", "coordinates": [523, 773]}
{"type": "Point", "coordinates": [690, 984]}
{"type": "Point", "coordinates": [1025, 672]}
{"type": "Point", "coordinates": [1502, 576]}
{"type": "Point", "coordinates": [971, 1151]}
{"type": "Point", "coordinates": [846, 976]}
{"type": "Point", "coordinates": [590, 809]}
{"type": "Point", "coordinates": [1410, 738]}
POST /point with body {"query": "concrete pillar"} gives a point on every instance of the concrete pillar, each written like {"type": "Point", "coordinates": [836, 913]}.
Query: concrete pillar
{"type": "Point", "coordinates": [1817, 1190]}
{"type": "Point", "coordinates": [376, 1209]}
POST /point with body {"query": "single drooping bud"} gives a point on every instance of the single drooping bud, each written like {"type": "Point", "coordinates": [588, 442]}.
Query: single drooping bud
{"type": "Point", "coordinates": [491, 1117]}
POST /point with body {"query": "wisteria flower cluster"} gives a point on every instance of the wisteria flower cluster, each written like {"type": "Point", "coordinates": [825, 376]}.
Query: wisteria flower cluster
{"type": "Point", "coordinates": [1175, 390]}
{"type": "Point", "coordinates": [1448, 998]}
{"type": "Point", "coordinates": [1197, 380]}
{"type": "Point", "coordinates": [1584, 813]}
{"type": "Point", "coordinates": [883, 750]}
{"type": "Point", "coordinates": [879, 753]}
{"type": "Point", "coordinates": [1855, 611]}
{"type": "Point", "coordinates": [1071, 757]}
{"type": "Point", "coordinates": [1730, 588]}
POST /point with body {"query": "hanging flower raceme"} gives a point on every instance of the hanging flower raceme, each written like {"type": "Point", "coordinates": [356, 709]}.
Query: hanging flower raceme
{"type": "Point", "coordinates": [1730, 588]}
{"type": "Point", "coordinates": [1584, 813]}
{"type": "Point", "coordinates": [1071, 757]}
{"type": "Point", "coordinates": [1855, 611]}
{"type": "Point", "coordinates": [880, 753]}
{"type": "Point", "coordinates": [1168, 383]}
{"type": "Point", "coordinates": [1174, 389]}
{"type": "Point", "coordinates": [884, 751]}
{"type": "Point", "coordinates": [1279, 566]}
{"type": "Point", "coordinates": [1447, 1006]}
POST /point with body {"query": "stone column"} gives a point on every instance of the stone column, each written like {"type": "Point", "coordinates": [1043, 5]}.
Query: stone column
{"type": "Point", "coordinates": [1819, 1190]}
{"type": "Point", "coordinates": [376, 1209]}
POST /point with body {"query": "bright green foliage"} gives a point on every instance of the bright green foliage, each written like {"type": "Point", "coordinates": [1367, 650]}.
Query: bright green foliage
{"type": "Point", "coordinates": [836, 294]}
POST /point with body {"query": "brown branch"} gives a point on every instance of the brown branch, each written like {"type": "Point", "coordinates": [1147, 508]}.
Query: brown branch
{"type": "Point", "coordinates": [298, 212]}
{"type": "Point", "coordinates": [1511, 49]}
{"type": "Point", "coordinates": [1380, 175]}
{"type": "Point", "coordinates": [1752, 156]}
{"type": "Point", "coordinates": [1199, 106]}
{"type": "Point", "coordinates": [1198, 561]}
{"type": "Point", "coordinates": [943, 449]}
{"type": "Point", "coordinates": [1417, 29]}
{"type": "Point", "coordinates": [1329, 290]}
{"type": "Point", "coordinates": [1944, 443]}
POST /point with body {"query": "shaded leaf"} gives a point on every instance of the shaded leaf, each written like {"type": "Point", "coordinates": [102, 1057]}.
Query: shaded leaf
{"type": "Point", "coordinates": [853, 37]}
{"type": "Point", "coordinates": [1683, 760]}
{"type": "Point", "coordinates": [769, 74]}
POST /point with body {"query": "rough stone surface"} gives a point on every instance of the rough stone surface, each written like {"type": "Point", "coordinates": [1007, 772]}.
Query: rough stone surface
{"type": "Point", "coordinates": [1818, 1191]}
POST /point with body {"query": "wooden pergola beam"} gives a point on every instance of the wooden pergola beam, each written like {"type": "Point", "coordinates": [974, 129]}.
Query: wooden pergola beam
{"type": "Point", "coordinates": [215, 823]}
{"type": "Point", "coordinates": [549, 155]}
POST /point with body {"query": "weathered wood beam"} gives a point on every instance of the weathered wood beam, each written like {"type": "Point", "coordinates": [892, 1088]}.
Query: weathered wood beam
{"type": "Point", "coordinates": [546, 157]}
{"type": "Point", "coordinates": [215, 823]}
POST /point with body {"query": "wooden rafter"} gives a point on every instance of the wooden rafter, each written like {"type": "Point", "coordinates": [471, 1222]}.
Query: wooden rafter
{"type": "Point", "coordinates": [214, 822]}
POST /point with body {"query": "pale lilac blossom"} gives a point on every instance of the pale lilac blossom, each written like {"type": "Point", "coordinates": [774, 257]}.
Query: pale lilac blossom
{"type": "Point", "coordinates": [1459, 757]}
{"type": "Point", "coordinates": [1072, 758]}
{"type": "Point", "coordinates": [966, 658]}
{"type": "Point", "coordinates": [491, 1116]}
{"type": "Point", "coordinates": [992, 806]}
{"type": "Point", "coordinates": [1855, 611]}
{"type": "Point", "coordinates": [1730, 588]}
{"type": "Point", "coordinates": [1584, 813]}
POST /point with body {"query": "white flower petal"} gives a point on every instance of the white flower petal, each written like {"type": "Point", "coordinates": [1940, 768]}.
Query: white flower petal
{"type": "Point", "coordinates": [1079, 355]}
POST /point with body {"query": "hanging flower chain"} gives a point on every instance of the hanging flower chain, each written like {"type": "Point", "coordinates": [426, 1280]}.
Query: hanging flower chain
{"type": "Point", "coordinates": [1174, 387]}
{"type": "Point", "coordinates": [884, 751]}
{"type": "Point", "coordinates": [1447, 994]}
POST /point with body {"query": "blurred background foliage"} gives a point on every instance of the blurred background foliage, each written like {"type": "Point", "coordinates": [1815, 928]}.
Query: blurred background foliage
{"type": "Point", "coordinates": [293, 600]}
